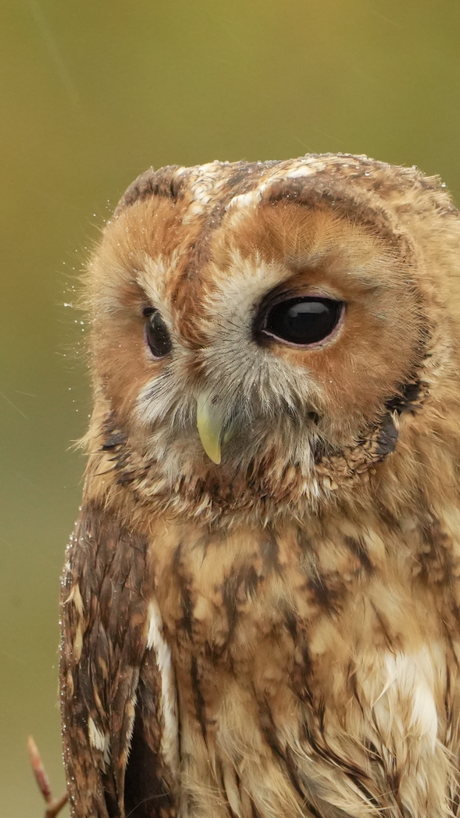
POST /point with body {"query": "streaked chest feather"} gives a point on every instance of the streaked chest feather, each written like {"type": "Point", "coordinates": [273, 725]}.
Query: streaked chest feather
{"type": "Point", "coordinates": [315, 668]}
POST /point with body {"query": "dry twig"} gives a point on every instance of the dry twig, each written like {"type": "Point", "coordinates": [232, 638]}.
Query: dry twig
{"type": "Point", "coordinates": [53, 807]}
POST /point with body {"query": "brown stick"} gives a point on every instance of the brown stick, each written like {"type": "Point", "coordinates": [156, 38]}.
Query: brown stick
{"type": "Point", "coordinates": [53, 806]}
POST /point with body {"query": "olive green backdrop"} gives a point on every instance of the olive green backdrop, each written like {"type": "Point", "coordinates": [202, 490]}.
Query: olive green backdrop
{"type": "Point", "coordinates": [92, 93]}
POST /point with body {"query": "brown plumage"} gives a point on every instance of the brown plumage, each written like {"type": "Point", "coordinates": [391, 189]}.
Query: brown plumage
{"type": "Point", "coordinates": [261, 599]}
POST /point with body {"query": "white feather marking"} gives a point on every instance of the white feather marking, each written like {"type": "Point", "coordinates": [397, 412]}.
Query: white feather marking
{"type": "Point", "coordinates": [75, 597]}
{"type": "Point", "coordinates": [98, 740]}
{"type": "Point", "coordinates": [156, 641]}
{"type": "Point", "coordinates": [202, 185]}
{"type": "Point", "coordinates": [305, 170]}
{"type": "Point", "coordinates": [245, 199]}
{"type": "Point", "coordinates": [410, 678]}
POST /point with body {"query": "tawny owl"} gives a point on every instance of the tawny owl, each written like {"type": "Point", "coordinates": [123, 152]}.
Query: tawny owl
{"type": "Point", "coordinates": [261, 600]}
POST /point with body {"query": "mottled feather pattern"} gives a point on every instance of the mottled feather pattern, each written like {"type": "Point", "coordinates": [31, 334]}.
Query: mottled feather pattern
{"type": "Point", "coordinates": [261, 600]}
{"type": "Point", "coordinates": [109, 674]}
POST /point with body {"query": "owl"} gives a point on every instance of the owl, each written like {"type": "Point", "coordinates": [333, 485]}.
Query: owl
{"type": "Point", "coordinates": [261, 598]}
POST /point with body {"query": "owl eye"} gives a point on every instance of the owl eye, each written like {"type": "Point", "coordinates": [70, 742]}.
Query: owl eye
{"type": "Point", "coordinates": [303, 321]}
{"type": "Point", "coordinates": [156, 333]}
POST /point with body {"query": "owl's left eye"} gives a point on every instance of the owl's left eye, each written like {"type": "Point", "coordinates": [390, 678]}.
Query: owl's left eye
{"type": "Point", "coordinates": [156, 333]}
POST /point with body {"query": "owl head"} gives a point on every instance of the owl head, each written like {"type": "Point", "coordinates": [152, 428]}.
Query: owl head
{"type": "Point", "coordinates": [272, 337]}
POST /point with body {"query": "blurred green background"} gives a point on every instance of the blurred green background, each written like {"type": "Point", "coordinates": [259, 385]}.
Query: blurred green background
{"type": "Point", "coordinates": [92, 93]}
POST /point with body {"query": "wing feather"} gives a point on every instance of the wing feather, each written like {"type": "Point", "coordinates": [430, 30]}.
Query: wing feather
{"type": "Point", "coordinates": [111, 691]}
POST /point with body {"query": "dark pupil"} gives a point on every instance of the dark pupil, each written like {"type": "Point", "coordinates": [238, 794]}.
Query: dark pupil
{"type": "Point", "coordinates": [157, 335]}
{"type": "Point", "coordinates": [303, 320]}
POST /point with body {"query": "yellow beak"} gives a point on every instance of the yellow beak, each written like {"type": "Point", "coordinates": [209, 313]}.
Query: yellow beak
{"type": "Point", "coordinates": [210, 423]}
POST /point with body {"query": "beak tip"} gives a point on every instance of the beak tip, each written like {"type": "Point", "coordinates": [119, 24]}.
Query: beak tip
{"type": "Point", "coordinates": [209, 424]}
{"type": "Point", "coordinates": [212, 449]}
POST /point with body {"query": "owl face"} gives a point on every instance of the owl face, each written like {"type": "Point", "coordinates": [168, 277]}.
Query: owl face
{"type": "Point", "coordinates": [255, 325]}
